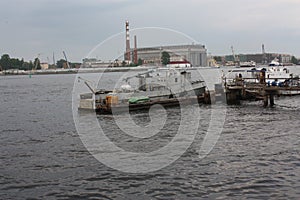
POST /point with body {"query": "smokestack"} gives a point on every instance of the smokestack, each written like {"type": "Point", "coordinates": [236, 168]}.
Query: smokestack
{"type": "Point", "coordinates": [135, 57]}
{"type": "Point", "coordinates": [127, 55]}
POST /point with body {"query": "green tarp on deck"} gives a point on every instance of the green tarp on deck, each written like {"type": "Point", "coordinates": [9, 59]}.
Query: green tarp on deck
{"type": "Point", "coordinates": [138, 99]}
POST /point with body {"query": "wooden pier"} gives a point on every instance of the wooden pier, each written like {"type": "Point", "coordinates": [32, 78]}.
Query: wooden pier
{"type": "Point", "coordinates": [239, 89]}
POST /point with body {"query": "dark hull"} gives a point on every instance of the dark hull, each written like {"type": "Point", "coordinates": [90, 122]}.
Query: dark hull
{"type": "Point", "coordinates": [119, 108]}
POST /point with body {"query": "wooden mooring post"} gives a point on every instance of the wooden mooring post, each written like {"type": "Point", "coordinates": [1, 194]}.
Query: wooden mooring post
{"type": "Point", "coordinates": [269, 96]}
{"type": "Point", "coordinates": [233, 97]}
{"type": "Point", "coordinates": [266, 100]}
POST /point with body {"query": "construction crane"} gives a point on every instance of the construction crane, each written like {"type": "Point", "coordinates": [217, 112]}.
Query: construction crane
{"type": "Point", "coordinates": [235, 57]}
{"type": "Point", "coordinates": [66, 60]}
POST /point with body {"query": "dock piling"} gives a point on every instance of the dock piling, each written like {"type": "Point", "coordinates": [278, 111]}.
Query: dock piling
{"type": "Point", "coordinates": [272, 100]}
{"type": "Point", "coordinates": [266, 101]}
{"type": "Point", "coordinates": [233, 97]}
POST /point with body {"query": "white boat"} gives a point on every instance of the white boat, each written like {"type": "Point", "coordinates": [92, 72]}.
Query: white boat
{"type": "Point", "coordinates": [275, 62]}
{"type": "Point", "coordinates": [273, 76]}
{"type": "Point", "coordinates": [277, 73]}
{"type": "Point", "coordinates": [248, 64]}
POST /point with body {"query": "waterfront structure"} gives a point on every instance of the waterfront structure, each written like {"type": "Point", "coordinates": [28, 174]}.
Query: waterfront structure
{"type": "Point", "coordinates": [95, 63]}
{"type": "Point", "coordinates": [262, 84]}
{"type": "Point", "coordinates": [262, 58]}
{"type": "Point", "coordinates": [44, 66]}
{"type": "Point", "coordinates": [195, 54]}
{"type": "Point", "coordinates": [179, 64]}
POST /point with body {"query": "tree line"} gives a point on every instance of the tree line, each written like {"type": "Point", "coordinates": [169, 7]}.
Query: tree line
{"type": "Point", "coordinates": [6, 62]}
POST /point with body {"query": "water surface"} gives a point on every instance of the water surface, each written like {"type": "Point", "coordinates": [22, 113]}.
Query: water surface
{"type": "Point", "coordinates": [257, 155]}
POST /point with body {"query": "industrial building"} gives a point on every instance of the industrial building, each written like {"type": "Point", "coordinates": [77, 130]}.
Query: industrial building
{"type": "Point", "coordinates": [192, 55]}
{"type": "Point", "coordinates": [262, 58]}
{"type": "Point", "coordinates": [195, 54]}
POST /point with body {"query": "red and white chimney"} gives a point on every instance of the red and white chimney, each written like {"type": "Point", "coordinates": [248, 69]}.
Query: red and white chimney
{"type": "Point", "coordinates": [127, 54]}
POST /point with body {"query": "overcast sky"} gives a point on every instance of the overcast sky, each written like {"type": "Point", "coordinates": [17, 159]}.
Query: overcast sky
{"type": "Point", "coordinates": [30, 27]}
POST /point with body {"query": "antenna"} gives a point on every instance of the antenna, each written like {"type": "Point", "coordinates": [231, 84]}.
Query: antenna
{"type": "Point", "coordinates": [53, 59]}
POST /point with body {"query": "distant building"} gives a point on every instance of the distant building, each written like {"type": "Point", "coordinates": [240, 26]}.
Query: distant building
{"type": "Point", "coordinates": [44, 66]}
{"type": "Point", "coordinates": [195, 54]}
{"type": "Point", "coordinates": [262, 58]}
{"type": "Point", "coordinates": [179, 64]}
{"type": "Point", "coordinates": [65, 65]}
{"type": "Point", "coordinates": [95, 63]}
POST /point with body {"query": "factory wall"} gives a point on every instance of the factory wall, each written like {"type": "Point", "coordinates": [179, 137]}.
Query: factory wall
{"type": "Point", "coordinates": [196, 54]}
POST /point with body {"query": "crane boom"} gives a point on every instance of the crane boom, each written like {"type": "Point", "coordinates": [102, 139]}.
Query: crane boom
{"type": "Point", "coordinates": [66, 60]}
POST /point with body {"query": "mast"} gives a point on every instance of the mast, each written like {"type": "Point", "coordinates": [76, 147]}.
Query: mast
{"type": "Point", "coordinates": [54, 64]}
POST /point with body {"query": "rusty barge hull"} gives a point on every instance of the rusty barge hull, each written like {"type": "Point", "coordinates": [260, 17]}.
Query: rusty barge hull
{"type": "Point", "coordinates": [144, 106]}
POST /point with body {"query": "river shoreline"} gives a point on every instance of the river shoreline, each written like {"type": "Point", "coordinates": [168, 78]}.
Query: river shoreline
{"type": "Point", "coordinates": [95, 70]}
{"type": "Point", "coordinates": [74, 71]}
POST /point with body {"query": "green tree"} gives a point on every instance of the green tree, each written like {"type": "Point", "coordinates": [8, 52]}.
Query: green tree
{"type": "Point", "coordinates": [60, 63]}
{"type": "Point", "coordinates": [123, 63]}
{"type": "Point", "coordinates": [5, 62]}
{"type": "Point", "coordinates": [15, 63]}
{"type": "Point", "coordinates": [37, 63]}
{"type": "Point", "coordinates": [30, 66]}
{"type": "Point", "coordinates": [21, 64]}
{"type": "Point", "coordinates": [294, 60]}
{"type": "Point", "coordinates": [140, 62]}
{"type": "Point", "coordinates": [165, 58]}
{"type": "Point", "coordinates": [25, 66]}
{"type": "Point", "coordinates": [218, 58]}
